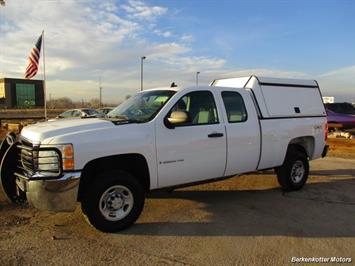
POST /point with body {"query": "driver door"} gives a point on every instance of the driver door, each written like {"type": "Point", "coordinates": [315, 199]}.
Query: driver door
{"type": "Point", "coordinates": [195, 150]}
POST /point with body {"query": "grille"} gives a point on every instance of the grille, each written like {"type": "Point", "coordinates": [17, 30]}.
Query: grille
{"type": "Point", "coordinates": [28, 157]}
{"type": "Point", "coordinates": [32, 163]}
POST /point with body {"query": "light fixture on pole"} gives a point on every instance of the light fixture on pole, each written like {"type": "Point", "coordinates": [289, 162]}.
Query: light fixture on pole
{"type": "Point", "coordinates": [197, 73]}
{"type": "Point", "coordinates": [142, 58]}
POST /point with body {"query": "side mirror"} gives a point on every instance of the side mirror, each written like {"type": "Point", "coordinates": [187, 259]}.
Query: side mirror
{"type": "Point", "coordinates": [177, 118]}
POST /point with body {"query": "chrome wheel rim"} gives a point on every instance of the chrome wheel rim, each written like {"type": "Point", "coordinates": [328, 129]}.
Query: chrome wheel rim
{"type": "Point", "coordinates": [116, 203]}
{"type": "Point", "coordinates": [297, 172]}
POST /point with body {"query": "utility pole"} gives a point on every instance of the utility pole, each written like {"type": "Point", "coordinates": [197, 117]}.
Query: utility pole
{"type": "Point", "coordinates": [142, 58]}
{"type": "Point", "coordinates": [197, 73]}
{"type": "Point", "coordinates": [100, 88]}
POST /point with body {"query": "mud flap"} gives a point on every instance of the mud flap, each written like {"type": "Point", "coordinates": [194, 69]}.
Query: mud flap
{"type": "Point", "coordinates": [9, 158]}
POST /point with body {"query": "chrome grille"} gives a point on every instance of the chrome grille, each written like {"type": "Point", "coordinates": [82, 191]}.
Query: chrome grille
{"type": "Point", "coordinates": [28, 157]}
{"type": "Point", "coordinates": [32, 164]}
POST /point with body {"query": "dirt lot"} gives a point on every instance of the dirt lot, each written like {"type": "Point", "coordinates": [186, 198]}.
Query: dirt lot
{"type": "Point", "coordinates": [244, 220]}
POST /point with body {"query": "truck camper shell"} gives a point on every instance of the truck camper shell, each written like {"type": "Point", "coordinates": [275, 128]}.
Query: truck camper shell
{"type": "Point", "coordinates": [280, 97]}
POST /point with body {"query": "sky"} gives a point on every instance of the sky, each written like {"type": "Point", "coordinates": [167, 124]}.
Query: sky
{"type": "Point", "coordinates": [86, 40]}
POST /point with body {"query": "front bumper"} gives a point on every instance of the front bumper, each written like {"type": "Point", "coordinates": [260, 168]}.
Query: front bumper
{"type": "Point", "coordinates": [53, 195]}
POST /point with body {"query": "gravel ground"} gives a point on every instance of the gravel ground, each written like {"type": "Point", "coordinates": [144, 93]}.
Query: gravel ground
{"type": "Point", "coordinates": [245, 220]}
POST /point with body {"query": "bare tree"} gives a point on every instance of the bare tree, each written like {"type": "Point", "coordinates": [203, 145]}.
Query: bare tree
{"type": "Point", "coordinates": [61, 103]}
{"type": "Point", "coordinates": [94, 103]}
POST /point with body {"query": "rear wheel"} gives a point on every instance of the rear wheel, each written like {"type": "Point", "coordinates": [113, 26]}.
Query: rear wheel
{"type": "Point", "coordinates": [113, 201]}
{"type": "Point", "coordinates": [293, 174]}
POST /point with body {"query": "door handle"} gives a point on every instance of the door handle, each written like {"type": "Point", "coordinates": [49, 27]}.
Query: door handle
{"type": "Point", "coordinates": [215, 135]}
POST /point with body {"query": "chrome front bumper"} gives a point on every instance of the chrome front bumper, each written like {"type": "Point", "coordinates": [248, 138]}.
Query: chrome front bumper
{"type": "Point", "coordinates": [53, 195]}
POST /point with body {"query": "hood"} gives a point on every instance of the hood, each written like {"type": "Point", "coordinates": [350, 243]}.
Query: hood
{"type": "Point", "coordinates": [47, 130]}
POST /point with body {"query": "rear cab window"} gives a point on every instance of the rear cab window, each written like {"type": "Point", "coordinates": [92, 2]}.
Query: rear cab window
{"type": "Point", "coordinates": [234, 106]}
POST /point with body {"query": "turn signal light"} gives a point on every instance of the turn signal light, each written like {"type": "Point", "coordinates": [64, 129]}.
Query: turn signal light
{"type": "Point", "coordinates": [68, 151]}
{"type": "Point", "coordinates": [68, 157]}
{"type": "Point", "coordinates": [68, 164]}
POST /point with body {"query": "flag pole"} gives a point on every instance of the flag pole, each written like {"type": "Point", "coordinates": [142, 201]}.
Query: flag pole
{"type": "Point", "coordinates": [44, 78]}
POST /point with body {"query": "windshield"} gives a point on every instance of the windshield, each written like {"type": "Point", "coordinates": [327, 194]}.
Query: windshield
{"type": "Point", "coordinates": [141, 107]}
{"type": "Point", "coordinates": [90, 111]}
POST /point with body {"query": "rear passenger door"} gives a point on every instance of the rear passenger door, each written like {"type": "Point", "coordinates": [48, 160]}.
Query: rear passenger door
{"type": "Point", "coordinates": [195, 150]}
{"type": "Point", "coordinates": [243, 133]}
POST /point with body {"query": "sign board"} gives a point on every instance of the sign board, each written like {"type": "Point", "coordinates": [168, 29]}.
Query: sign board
{"type": "Point", "coordinates": [328, 99]}
{"type": "Point", "coordinates": [2, 90]}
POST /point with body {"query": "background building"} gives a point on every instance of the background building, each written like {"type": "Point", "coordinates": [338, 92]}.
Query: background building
{"type": "Point", "coordinates": [21, 93]}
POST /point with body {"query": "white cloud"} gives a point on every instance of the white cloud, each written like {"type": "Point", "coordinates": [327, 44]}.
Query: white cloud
{"type": "Point", "coordinates": [75, 33]}
{"type": "Point", "coordinates": [165, 34]}
{"type": "Point", "coordinates": [339, 83]}
{"type": "Point", "coordinates": [340, 72]}
{"type": "Point", "coordinates": [266, 72]}
{"type": "Point", "coordinates": [88, 39]}
{"type": "Point", "coordinates": [195, 63]}
{"type": "Point", "coordinates": [187, 38]}
{"type": "Point", "coordinates": [139, 10]}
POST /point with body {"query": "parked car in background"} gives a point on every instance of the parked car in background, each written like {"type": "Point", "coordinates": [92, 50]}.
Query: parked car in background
{"type": "Point", "coordinates": [341, 108]}
{"type": "Point", "coordinates": [80, 113]}
{"type": "Point", "coordinates": [341, 113]}
{"type": "Point", "coordinates": [105, 110]}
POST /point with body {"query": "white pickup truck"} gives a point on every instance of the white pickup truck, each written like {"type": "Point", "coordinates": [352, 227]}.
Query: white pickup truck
{"type": "Point", "coordinates": [166, 138]}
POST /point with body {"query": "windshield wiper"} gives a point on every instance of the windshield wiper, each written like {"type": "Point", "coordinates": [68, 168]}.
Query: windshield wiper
{"type": "Point", "coordinates": [122, 119]}
{"type": "Point", "coordinates": [118, 117]}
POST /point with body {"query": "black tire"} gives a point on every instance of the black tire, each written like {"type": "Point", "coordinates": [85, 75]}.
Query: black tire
{"type": "Point", "coordinates": [96, 202]}
{"type": "Point", "coordinates": [9, 164]}
{"type": "Point", "coordinates": [293, 174]}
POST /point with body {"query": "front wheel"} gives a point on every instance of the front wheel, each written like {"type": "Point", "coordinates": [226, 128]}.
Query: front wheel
{"type": "Point", "coordinates": [113, 201]}
{"type": "Point", "coordinates": [293, 174]}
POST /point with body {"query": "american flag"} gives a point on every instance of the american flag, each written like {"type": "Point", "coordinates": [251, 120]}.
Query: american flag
{"type": "Point", "coordinates": [33, 59]}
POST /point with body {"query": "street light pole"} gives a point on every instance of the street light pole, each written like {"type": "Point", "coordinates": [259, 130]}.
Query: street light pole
{"type": "Point", "coordinates": [197, 73]}
{"type": "Point", "coordinates": [142, 58]}
{"type": "Point", "coordinates": [100, 88]}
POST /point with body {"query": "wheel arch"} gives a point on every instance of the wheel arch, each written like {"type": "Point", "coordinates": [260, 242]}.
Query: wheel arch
{"type": "Point", "coordinates": [134, 163]}
{"type": "Point", "coordinates": [305, 144]}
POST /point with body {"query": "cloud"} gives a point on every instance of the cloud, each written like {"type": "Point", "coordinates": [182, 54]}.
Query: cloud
{"type": "Point", "coordinates": [88, 39]}
{"type": "Point", "coordinates": [266, 72]}
{"type": "Point", "coordinates": [187, 38]}
{"type": "Point", "coordinates": [340, 72]}
{"type": "Point", "coordinates": [195, 63]}
{"type": "Point", "coordinates": [165, 34]}
{"type": "Point", "coordinates": [139, 10]}
{"type": "Point", "coordinates": [75, 34]}
{"type": "Point", "coordinates": [339, 82]}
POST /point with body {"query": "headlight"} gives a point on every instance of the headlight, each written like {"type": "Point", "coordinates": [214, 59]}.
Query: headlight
{"type": "Point", "coordinates": [49, 159]}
